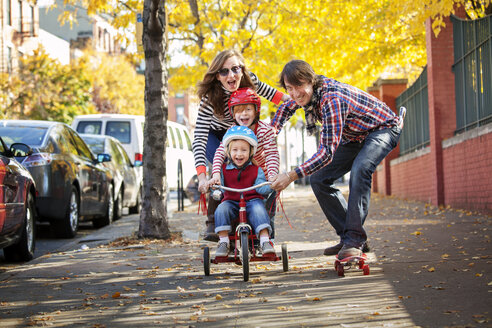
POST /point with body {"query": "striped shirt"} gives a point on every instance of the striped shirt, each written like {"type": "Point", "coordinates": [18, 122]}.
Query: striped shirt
{"type": "Point", "coordinates": [206, 120]}
{"type": "Point", "coordinates": [346, 114]}
{"type": "Point", "coordinates": [266, 155]}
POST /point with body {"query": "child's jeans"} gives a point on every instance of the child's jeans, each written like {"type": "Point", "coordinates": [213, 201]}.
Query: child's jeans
{"type": "Point", "coordinates": [256, 213]}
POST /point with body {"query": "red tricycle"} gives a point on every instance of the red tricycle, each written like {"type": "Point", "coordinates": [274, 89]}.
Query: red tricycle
{"type": "Point", "coordinates": [243, 240]}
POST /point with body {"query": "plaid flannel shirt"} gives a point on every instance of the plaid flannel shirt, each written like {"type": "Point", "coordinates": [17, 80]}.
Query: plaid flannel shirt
{"type": "Point", "coordinates": [347, 114]}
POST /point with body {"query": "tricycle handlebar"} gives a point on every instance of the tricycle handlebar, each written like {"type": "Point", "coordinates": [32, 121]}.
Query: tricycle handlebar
{"type": "Point", "coordinates": [241, 190]}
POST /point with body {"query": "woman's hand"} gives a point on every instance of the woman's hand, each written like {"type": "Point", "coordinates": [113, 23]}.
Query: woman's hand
{"type": "Point", "coordinates": [285, 97]}
{"type": "Point", "coordinates": [202, 183]}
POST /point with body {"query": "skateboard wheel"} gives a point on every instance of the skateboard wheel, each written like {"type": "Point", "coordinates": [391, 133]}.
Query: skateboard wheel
{"type": "Point", "coordinates": [340, 270]}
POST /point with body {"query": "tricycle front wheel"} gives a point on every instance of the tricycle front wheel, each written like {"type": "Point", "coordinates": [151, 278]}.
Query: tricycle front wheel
{"type": "Point", "coordinates": [245, 254]}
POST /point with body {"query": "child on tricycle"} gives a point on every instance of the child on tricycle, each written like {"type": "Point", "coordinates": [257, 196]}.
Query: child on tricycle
{"type": "Point", "coordinates": [240, 172]}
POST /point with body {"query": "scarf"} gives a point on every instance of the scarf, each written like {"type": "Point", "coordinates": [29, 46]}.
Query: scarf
{"type": "Point", "coordinates": [311, 112]}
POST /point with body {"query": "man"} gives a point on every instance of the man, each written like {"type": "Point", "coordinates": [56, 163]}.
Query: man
{"type": "Point", "coordinates": [357, 132]}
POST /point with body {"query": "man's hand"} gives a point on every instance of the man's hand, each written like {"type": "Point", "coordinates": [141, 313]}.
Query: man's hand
{"type": "Point", "coordinates": [281, 181]}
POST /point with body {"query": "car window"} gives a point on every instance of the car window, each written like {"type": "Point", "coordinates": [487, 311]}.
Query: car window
{"type": "Point", "coordinates": [126, 159]}
{"type": "Point", "coordinates": [187, 140]}
{"type": "Point", "coordinates": [64, 141]}
{"type": "Point", "coordinates": [119, 130]}
{"type": "Point", "coordinates": [82, 147]}
{"type": "Point", "coordinates": [117, 157]}
{"type": "Point", "coordinates": [95, 144]}
{"type": "Point", "coordinates": [2, 148]}
{"type": "Point", "coordinates": [89, 127]}
{"type": "Point", "coordinates": [180, 140]}
{"type": "Point", "coordinates": [171, 133]}
{"type": "Point", "coordinates": [30, 135]}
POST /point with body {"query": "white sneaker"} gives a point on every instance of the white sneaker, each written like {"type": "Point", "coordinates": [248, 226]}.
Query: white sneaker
{"type": "Point", "coordinates": [222, 249]}
{"type": "Point", "coordinates": [267, 248]}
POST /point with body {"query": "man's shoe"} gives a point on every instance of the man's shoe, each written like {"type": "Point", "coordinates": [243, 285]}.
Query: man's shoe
{"type": "Point", "coordinates": [267, 248]}
{"type": "Point", "coordinates": [333, 250]}
{"type": "Point", "coordinates": [349, 251]}
{"type": "Point", "coordinates": [222, 249]}
{"type": "Point", "coordinates": [209, 233]}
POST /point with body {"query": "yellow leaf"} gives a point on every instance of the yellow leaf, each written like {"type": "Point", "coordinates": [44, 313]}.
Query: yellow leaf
{"type": "Point", "coordinates": [218, 297]}
{"type": "Point", "coordinates": [116, 295]}
{"type": "Point", "coordinates": [431, 269]}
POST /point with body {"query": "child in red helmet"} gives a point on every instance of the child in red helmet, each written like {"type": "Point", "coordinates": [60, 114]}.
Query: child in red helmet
{"type": "Point", "coordinates": [244, 106]}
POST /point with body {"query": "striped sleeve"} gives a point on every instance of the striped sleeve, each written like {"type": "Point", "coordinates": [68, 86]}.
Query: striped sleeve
{"type": "Point", "coordinates": [203, 123]}
{"type": "Point", "coordinates": [266, 91]}
{"type": "Point", "coordinates": [219, 159]}
{"type": "Point", "coordinates": [267, 154]}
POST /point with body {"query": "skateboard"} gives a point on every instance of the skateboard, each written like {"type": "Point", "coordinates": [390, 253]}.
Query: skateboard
{"type": "Point", "coordinates": [352, 262]}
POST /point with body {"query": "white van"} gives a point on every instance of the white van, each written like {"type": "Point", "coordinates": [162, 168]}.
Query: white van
{"type": "Point", "coordinates": [128, 129]}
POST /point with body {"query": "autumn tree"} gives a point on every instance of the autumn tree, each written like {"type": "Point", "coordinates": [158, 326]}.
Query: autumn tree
{"type": "Point", "coordinates": [44, 89]}
{"type": "Point", "coordinates": [352, 41]}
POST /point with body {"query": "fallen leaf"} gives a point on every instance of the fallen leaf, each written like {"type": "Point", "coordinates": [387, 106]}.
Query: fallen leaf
{"type": "Point", "coordinates": [116, 295]}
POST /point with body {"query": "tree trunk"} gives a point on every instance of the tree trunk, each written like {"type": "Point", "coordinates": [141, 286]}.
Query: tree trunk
{"type": "Point", "coordinates": [153, 218]}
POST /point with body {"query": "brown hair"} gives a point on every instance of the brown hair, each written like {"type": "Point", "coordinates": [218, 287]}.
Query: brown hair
{"type": "Point", "coordinates": [297, 72]}
{"type": "Point", "coordinates": [211, 88]}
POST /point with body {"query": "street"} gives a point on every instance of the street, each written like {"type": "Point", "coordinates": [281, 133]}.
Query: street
{"type": "Point", "coordinates": [430, 267]}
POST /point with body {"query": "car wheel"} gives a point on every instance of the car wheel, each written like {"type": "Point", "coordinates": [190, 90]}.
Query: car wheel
{"type": "Point", "coordinates": [67, 228]}
{"type": "Point", "coordinates": [118, 205]}
{"type": "Point", "coordinates": [108, 218]}
{"type": "Point", "coordinates": [23, 250]}
{"type": "Point", "coordinates": [138, 205]}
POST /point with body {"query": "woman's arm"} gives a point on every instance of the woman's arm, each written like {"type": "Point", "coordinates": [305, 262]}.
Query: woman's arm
{"type": "Point", "coordinates": [267, 91]}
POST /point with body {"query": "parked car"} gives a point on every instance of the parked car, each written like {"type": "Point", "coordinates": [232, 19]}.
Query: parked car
{"type": "Point", "coordinates": [72, 184]}
{"type": "Point", "coordinates": [128, 129]}
{"type": "Point", "coordinates": [126, 180]}
{"type": "Point", "coordinates": [17, 204]}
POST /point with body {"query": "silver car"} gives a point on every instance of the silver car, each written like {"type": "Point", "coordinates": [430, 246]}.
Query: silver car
{"type": "Point", "coordinates": [126, 177]}
{"type": "Point", "coordinates": [72, 184]}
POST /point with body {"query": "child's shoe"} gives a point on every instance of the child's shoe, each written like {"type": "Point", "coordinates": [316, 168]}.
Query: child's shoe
{"type": "Point", "coordinates": [222, 249]}
{"type": "Point", "coordinates": [267, 248]}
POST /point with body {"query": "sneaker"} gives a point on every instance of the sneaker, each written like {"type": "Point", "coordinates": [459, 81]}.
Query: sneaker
{"type": "Point", "coordinates": [333, 250]}
{"type": "Point", "coordinates": [222, 249]}
{"type": "Point", "coordinates": [348, 251]}
{"type": "Point", "coordinates": [366, 248]}
{"type": "Point", "coordinates": [267, 248]}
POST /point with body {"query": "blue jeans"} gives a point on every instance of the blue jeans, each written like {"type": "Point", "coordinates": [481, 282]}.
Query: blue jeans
{"type": "Point", "coordinates": [361, 159]}
{"type": "Point", "coordinates": [214, 139]}
{"type": "Point", "coordinates": [228, 211]}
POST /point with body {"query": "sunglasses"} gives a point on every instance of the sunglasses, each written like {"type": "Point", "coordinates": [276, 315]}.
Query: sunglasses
{"type": "Point", "coordinates": [234, 69]}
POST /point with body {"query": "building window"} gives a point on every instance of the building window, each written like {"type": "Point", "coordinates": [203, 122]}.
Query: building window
{"type": "Point", "coordinates": [9, 12]}
{"type": "Point", "coordinates": [9, 60]}
{"type": "Point", "coordinates": [31, 27]}
{"type": "Point", "coordinates": [20, 16]}
{"type": "Point", "coordinates": [180, 114]}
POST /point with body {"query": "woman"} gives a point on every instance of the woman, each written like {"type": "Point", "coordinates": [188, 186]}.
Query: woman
{"type": "Point", "coordinates": [226, 74]}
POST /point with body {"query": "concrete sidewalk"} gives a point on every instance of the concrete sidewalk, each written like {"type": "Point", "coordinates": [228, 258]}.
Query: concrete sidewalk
{"type": "Point", "coordinates": [430, 267]}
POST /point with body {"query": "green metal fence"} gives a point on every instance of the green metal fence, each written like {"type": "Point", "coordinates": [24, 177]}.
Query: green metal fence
{"type": "Point", "coordinates": [473, 72]}
{"type": "Point", "coordinates": [415, 134]}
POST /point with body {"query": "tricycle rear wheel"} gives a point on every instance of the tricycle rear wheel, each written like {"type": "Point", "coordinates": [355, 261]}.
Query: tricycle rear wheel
{"type": "Point", "coordinates": [206, 261]}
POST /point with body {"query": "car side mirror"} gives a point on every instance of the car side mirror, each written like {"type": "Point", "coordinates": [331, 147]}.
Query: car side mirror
{"type": "Point", "coordinates": [20, 150]}
{"type": "Point", "coordinates": [101, 158]}
{"type": "Point", "coordinates": [138, 163]}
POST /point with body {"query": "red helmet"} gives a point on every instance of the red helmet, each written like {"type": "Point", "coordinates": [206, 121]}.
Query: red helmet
{"type": "Point", "coordinates": [243, 96]}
